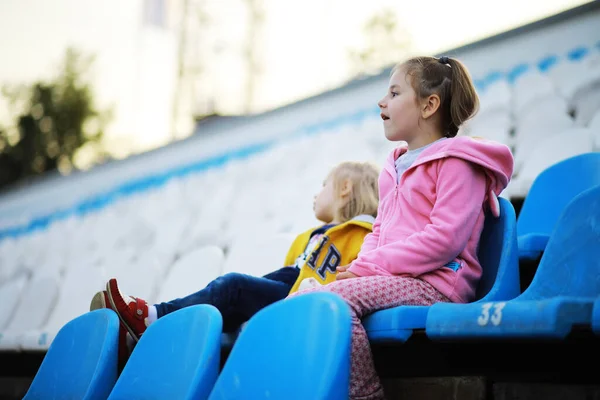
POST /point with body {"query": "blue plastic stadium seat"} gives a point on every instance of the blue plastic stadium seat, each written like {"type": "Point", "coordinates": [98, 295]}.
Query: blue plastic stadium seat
{"type": "Point", "coordinates": [560, 296]}
{"type": "Point", "coordinates": [499, 281]}
{"type": "Point", "coordinates": [295, 349]}
{"type": "Point", "coordinates": [176, 358]}
{"type": "Point", "coordinates": [550, 193]}
{"type": "Point", "coordinates": [81, 362]}
{"type": "Point", "coordinates": [596, 317]}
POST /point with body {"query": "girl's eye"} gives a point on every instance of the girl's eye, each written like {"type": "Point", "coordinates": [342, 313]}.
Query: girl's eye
{"type": "Point", "coordinates": [393, 94]}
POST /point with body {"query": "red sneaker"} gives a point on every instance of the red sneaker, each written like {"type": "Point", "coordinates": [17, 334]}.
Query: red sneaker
{"type": "Point", "coordinates": [132, 311]}
{"type": "Point", "coordinates": [100, 300]}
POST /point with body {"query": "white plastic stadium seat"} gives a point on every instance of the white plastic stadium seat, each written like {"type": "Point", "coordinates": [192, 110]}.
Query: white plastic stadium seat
{"type": "Point", "coordinates": [191, 273]}
{"type": "Point", "coordinates": [259, 254]}
{"type": "Point", "coordinates": [10, 293]}
{"type": "Point", "coordinates": [594, 126]}
{"type": "Point", "coordinates": [75, 293]}
{"type": "Point", "coordinates": [534, 132]}
{"type": "Point", "coordinates": [497, 96]}
{"type": "Point", "coordinates": [529, 88]}
{"type": "Point", "coordinates": [542, 108]}
{"type": "Point", "coordinates": [547, 152]}
{"type": "Point", "coordinates": [37, 300]}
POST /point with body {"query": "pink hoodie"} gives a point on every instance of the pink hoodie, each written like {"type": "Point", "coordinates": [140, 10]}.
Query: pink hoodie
{"type": "Point", "coordinates": [428, 226]}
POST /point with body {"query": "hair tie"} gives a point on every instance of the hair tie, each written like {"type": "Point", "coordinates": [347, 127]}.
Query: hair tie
{"type": "Point", "coordinates": [444, 60]}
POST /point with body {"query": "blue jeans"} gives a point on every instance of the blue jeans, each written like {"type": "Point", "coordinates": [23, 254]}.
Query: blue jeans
{"type": "Point", "coordinates": [237, 296]}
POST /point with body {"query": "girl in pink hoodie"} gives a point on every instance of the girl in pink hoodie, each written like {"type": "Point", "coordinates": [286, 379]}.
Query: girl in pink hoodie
{"type": "Point", "coordinates": [433, 192]}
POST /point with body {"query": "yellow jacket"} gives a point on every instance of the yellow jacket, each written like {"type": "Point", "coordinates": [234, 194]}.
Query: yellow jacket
{"type": "Point", "coordinates": [338, 246]}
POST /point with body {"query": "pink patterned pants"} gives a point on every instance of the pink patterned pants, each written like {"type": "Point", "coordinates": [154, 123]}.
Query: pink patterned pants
{"type": "Point", "coordinates": [366, 295]}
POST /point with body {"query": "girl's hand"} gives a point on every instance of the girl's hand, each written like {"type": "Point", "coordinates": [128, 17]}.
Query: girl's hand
{"type": "Point", "coordinates": [342, 268]}
{"type": "Point", "coordinates": [345, 275]}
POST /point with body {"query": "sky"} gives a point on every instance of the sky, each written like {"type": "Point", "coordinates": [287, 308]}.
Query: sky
{"type": "Point", "coordinates": [336, 26]}
{"type": "Point", "coordinates": [303, 50]}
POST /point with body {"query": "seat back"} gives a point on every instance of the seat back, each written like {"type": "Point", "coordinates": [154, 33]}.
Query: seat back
{"type": "Point", "coordinates": [570, 265]}
{"type": "Point", "coordinates": [596, 317]}
{"type": "Point", "coordinates": [553, 189]}
{"type": "Point", "coordinates": [498, 255]}
{"type": "Point", "coordinates": [295, 349]}
{"type": "Point", "coordinates": [35, 304]}
{"type": "Point", "coordinates": [81, 362]}
{"type": "Point", "coordinates": [192, 272]}
{"type": "Point", "coordinates": [76, 289]}
{"type": "Point", "coordinates": [176, 358]}
{"type": "Point", "coordinates": [10, 294]}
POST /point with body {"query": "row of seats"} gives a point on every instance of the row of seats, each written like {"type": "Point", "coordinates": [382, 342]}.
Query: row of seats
{"type": "Point", "coordinates": [504, 243]}
{"type": "Point", "coordinates": [546, 112]}
{"type": "Point", "coordinates": [561, 296]}
{"type": "Point", "coordinates": [210, 208]}
{"type": "Point", "coordinates": [31, 314]}
{"type": "Point", "coordinates": [552, 138]}
{"type": "Point", "coordinates": [178, 356]}
{"type": "Point", "coordinates": [550, 193]}
{"type": "Point", "coordinates": [566, 83]}
{"type": "Point", "coordinates": [173, 240]}
{"type": "Point", "coordinates": [159, 226]}
{"type": "Point", "coordinates": [31, 329]}
{"type": "Point", "coordinates": [565, 233]}
{"type": "Point", "coordinates": [549, 150]}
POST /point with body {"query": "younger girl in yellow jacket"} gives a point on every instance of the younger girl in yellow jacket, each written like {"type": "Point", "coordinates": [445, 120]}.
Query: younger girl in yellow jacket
{"type": "Point", "coordinates": [347, 206]}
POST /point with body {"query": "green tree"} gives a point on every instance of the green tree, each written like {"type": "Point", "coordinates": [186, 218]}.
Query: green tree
{"type": "Point", "coordinates": [385, 43]}
{"type": "Point", "coordinates": [52, 121]}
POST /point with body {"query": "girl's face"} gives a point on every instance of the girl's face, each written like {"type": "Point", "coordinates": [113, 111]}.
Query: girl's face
{"type": "Point", "coordinates": [326, 201]}
{"type": "Point", "coordinates": [399, 109]}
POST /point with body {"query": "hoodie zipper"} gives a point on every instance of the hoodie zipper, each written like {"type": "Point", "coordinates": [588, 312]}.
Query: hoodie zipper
{"type": "Point", "coordinates": [390, 212]}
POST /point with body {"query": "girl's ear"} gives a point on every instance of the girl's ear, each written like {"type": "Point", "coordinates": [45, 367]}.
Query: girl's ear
{"type": "Point", "coordinates": [430, 105]}
{"type": "Point", "coordinates": [345, 188]}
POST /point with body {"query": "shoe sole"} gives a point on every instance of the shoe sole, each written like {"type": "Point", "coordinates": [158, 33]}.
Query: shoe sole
{"type": "Point", "coordinates": [114, 307]}
{"type": "Point", "coordinates": [98, 302]}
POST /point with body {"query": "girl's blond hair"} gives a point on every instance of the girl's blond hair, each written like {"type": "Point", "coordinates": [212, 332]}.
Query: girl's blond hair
{"type": "Point", "coordinates": [364, 196]}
